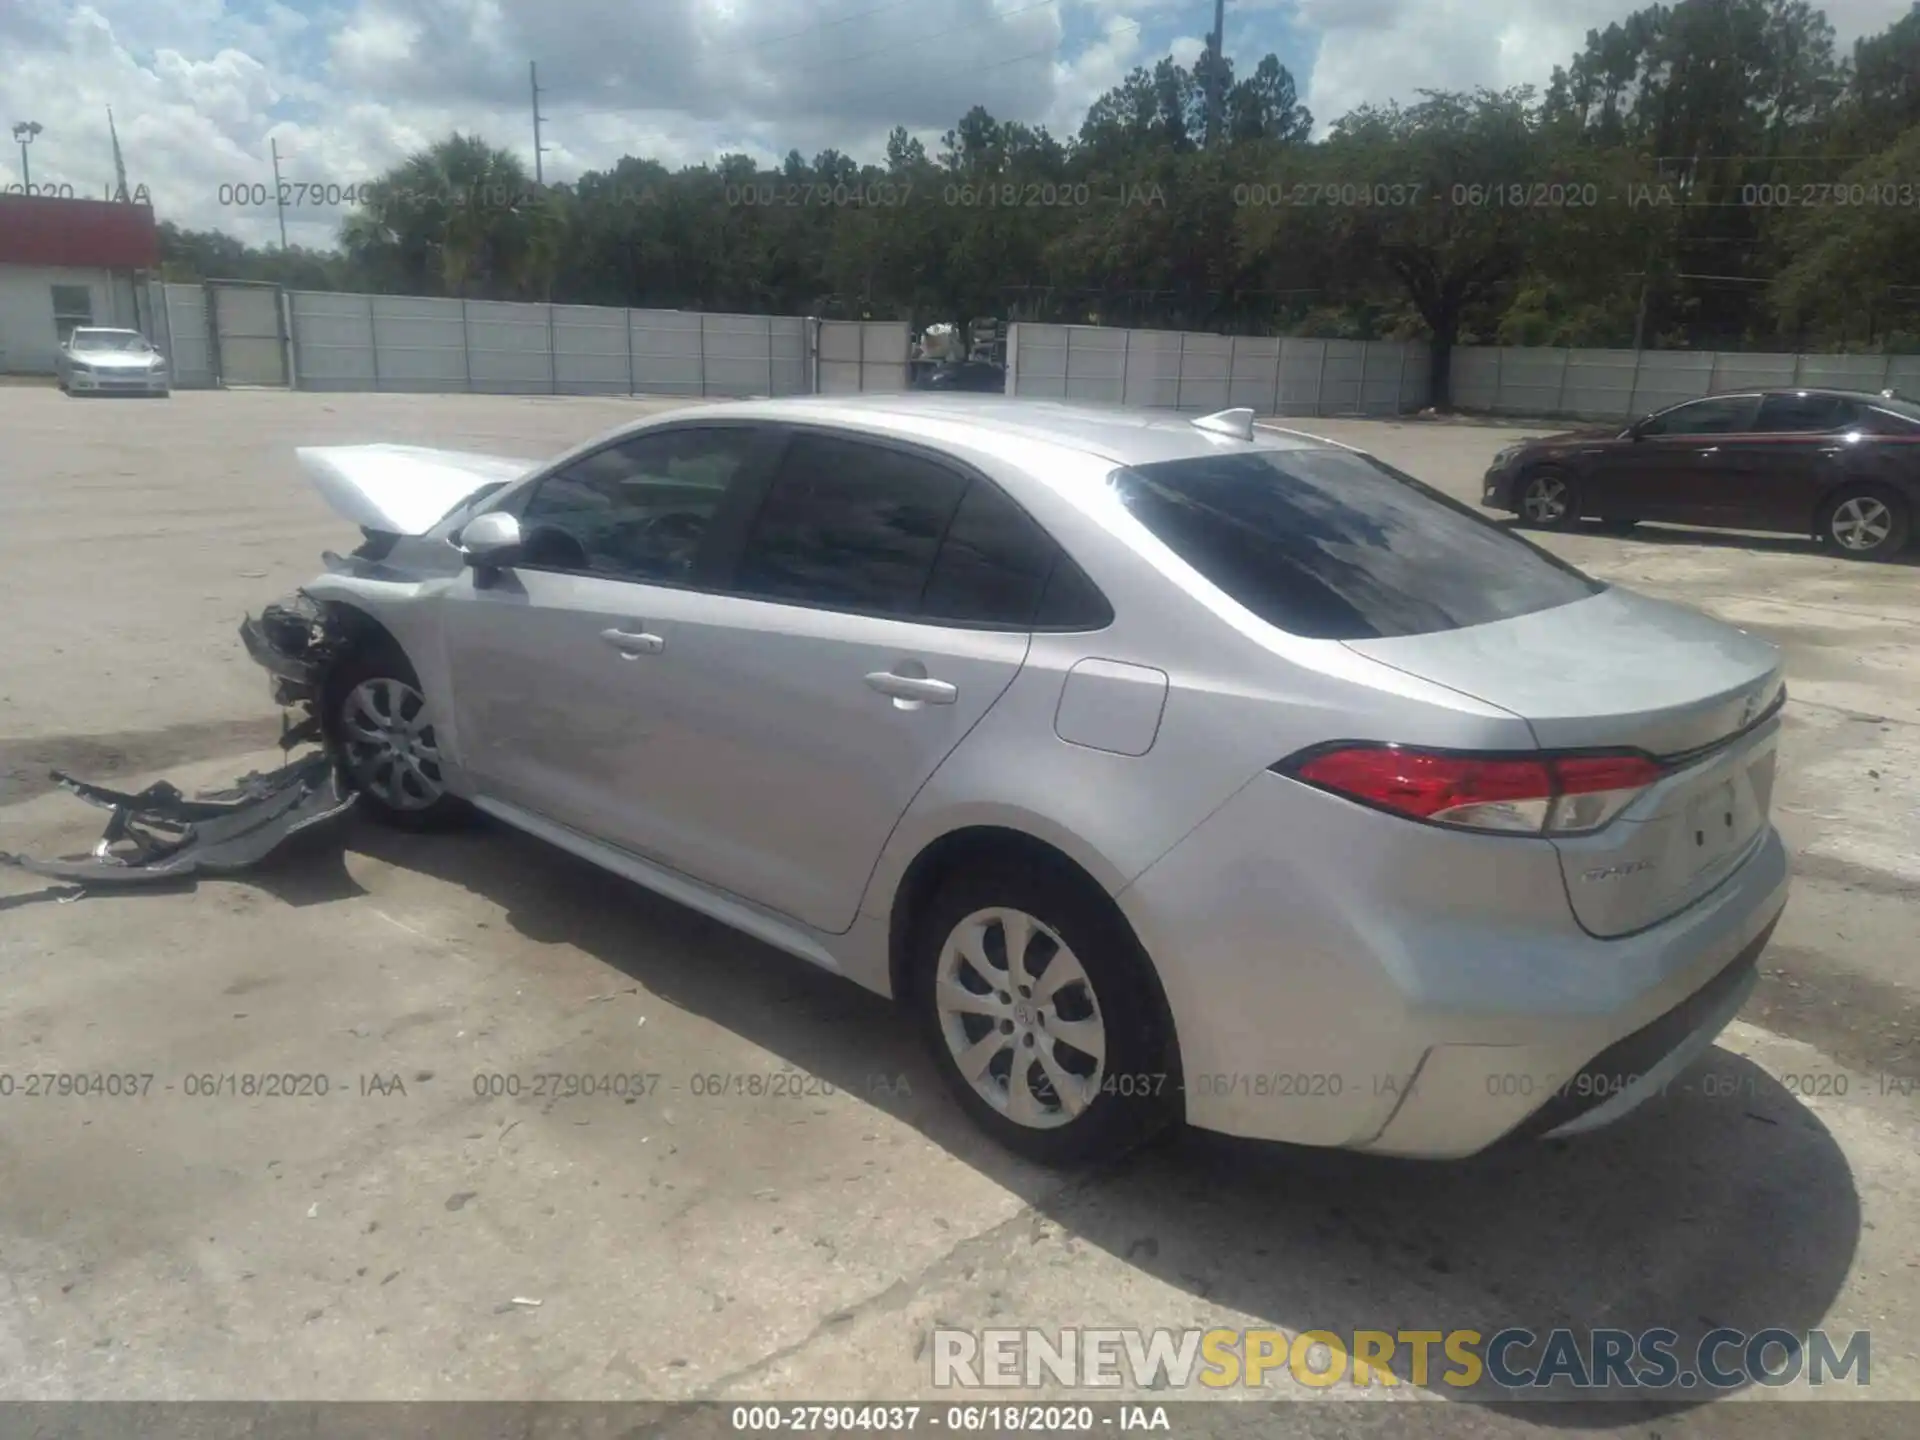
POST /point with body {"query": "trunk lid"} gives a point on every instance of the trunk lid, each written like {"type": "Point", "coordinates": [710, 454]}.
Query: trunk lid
{"type": "Point", "coordinates": [1624, 671]}
{"type": "Point", "coordinates": [402, 489]}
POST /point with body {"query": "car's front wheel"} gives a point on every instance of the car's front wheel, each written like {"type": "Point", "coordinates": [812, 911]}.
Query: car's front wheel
{"type": "Point", "coordinates": [1864, 522]}
{"type": "Point", "coordinates": [1549, 500]}
{"type": "Point", "coordinates": [387, 739]}
{"type": "Point", "coordinates": [1038, 1005]}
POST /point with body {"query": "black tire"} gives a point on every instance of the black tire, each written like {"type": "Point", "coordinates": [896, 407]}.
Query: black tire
{"type": "Point", "coordinates": [375, 662]}
{"type": "Point", "coordinates": [1851, 505]}
{"type": "Point", "coordinates": [1137, 1082]}
{"type": "Point", "coordinates": [1530, 500]}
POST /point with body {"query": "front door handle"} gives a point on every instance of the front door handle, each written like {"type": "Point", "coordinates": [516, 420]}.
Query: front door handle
{"type": "Point", "coordinates": [912, 687]}
{"type": "Point", "coordinates": [633, 643]}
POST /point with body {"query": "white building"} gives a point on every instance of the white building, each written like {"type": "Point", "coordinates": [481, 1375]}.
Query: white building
{"type": "Point", "coordinates": [65, 263]}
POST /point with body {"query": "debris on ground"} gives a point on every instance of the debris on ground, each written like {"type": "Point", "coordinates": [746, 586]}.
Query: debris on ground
{"type": "Point", "coordinates": [160, 834]}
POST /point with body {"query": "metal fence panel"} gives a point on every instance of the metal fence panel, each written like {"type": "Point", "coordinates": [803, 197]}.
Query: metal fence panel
{"type": "Point", "coordinates": [510, 347]}
{"type": "Point", "coordinates": [590, 351]}
{"type": "Point", "coordinates": [420, 344]}
{"type": "Point", "coordinates": [333, 341]}
{"type": "Point", "coordinates": [858, 355]}
{"type": "Point", "coordinates": [190, 349]}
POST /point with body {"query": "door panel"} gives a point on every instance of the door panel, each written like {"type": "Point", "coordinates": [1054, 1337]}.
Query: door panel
{"type": "Point", "coordinates": [554, 712]}
{"type": "Point", "coordinates": [779, 756]}
{"type": "Point", "coordinates": [1679, 468]}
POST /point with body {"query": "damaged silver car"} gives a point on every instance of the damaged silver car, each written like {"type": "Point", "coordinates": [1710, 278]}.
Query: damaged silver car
{"type": "Point", "coordinates": [1138, 756]}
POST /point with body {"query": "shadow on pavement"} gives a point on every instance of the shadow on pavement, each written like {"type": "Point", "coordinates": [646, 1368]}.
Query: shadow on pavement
{"type": "Point", "coordinates": [1724, 1203]}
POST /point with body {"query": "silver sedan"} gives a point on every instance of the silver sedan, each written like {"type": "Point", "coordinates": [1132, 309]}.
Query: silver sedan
{"type": "Point", "coordinates": [98, 361]}
{"type": "Point", "coordinates": [1164, 769]}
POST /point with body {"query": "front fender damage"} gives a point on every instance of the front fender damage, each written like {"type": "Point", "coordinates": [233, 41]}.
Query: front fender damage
{"type": "Point", "coordinates": [160, 834]}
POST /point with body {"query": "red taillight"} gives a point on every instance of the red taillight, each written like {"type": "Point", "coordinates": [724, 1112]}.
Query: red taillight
{"type": "Point", "coordinates": [1532, 795]}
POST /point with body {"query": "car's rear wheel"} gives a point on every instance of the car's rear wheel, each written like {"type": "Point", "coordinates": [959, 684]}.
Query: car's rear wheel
{"type": "Point", "coordinates": [1038, 1005]}
{"type": "Point", "coordinates": [1864, 522]}
{"type": "Point", "coordinates": [1549, 500]}
{"type": "Point", "coordinates": [378, 717]}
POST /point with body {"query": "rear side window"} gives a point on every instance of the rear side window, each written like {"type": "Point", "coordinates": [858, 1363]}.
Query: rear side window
{"type": "Point", "coordinates": [850, 526]}
{"type": "Point", "coordinates": [1803, 414]}
{"type": "Point", "coordinates": [1333, 545]}
{"type": "Point", "coordinates": [992, 565]}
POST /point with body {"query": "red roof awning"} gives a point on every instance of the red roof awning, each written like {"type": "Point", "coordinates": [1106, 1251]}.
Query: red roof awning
{"type": "Point", "coordinates": [88, 234]}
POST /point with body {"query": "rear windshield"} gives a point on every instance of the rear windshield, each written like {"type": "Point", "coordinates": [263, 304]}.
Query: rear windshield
{"type": "Point", "coordinates": [1334, 545]}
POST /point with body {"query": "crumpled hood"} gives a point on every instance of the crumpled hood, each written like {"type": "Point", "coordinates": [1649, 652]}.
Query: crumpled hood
{"type": "Point", "coordinates": [401, 489]}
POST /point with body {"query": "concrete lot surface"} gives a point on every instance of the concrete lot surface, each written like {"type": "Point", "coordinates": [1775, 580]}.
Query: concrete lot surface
{"type": "Point", "coordinates": [373, 1243]}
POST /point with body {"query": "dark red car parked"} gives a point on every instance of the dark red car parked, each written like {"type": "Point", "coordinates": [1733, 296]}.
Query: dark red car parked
{"type": "Point", "coordinates": [1839, 465]}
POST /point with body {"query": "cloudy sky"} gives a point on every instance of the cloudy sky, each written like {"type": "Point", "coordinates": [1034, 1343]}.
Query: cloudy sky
{"type": "Point", "coordinates": [346, 87]}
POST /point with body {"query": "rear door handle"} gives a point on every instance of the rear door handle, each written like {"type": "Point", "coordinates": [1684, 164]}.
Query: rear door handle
{"type": "Point", "coordinates": [912, 687]}
{"type": "Point", "coordinates": [633, 643]}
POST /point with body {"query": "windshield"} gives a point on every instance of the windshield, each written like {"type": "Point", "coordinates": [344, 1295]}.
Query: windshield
{"type": "Point", "coordinates": [1335, 545]}
{"type": "Point", "coordinates": [127, 340]}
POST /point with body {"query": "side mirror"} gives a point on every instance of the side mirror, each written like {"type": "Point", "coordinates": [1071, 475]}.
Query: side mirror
{"type": "Point", "coordinates": [491, 541]}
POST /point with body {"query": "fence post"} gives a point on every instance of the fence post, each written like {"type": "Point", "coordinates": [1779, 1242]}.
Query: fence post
{"type": "Point", "coordinates": [1886, 371]}
{"type": "Point", "coordinates": [1560, 391]}
{"type": "Point", "coordinates": [553, 361]}
{"type": "Point", "coordinates": [860, 364]}
{"type": "Point", "coordinates": [1126, 363]}
{"type": "Point", "coordinates": [466, 346]}
{"type": "Point", "coordinates": [373, 341]}
{"type": "Point", "coordinates": [1066, 368]}
{"type": "Point", "coordinates": [1713, 375]}
{"type": "Point", "coordinates": [1320, 380]}
{"type": "Point", "coordinates": [770, 381]}
{"type": "Point", "coordinates": [1400, 385]}
{"type": "Point", "coordinates": [289, 338]}
{"type": "Point", "coordinates": [1366, 349]}
{"type": "Point", "coordinates": [1499, 373]}
{"type": "Point", "coordinates": [1798, 361]}
{"type": "Point", "coordinates": [703, 354]}
{"type": "Point", "coordinates": [1180, 375]}
{"type": "Point", "coordinates": [1279, 368]}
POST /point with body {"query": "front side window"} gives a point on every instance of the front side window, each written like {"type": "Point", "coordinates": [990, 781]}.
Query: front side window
{"type": "Point", "coordinates": [1335, 545]}
{"type": "Point", "coordinates": [1720, 415]}
{"type": "Point", "coordinates": [638, 510]}
{"type": "Point", "coordinates": [848, 525]}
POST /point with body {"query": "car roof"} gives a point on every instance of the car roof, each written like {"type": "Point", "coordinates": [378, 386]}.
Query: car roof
{"type": "Point", "coordinates": [1124, 436]}
{"type": "Point", "coordinates": [1763, 391]}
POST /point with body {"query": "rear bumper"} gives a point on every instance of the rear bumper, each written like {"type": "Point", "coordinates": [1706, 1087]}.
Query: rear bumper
{"type": "Point", "coordinates": [1418, 995]}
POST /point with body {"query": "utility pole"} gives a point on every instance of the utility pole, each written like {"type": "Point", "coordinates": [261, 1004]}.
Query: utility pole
{"type": "Point", "coordinates": [279, 199]}
{"type": "Point", "coordinates": [533, 80]}
{"type": "Point", "coordinates": [24, 133]}
{"type": "Point", "coordinates": [1218, 44]}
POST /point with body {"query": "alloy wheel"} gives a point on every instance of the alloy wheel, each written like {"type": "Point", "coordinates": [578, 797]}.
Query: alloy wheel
{"type": "Point", "coordinates": [1861, 522]}
{"type": "Point", "coordinates": [1545, 500]}
{"type": "Point", "coordinates": [1020, 1018]}
{"type": "Point", "coordinates": [392, 752]}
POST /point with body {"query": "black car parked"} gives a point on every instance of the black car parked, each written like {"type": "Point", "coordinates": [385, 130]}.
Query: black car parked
{"type": "Point", "coordinates": [1840, 465]}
